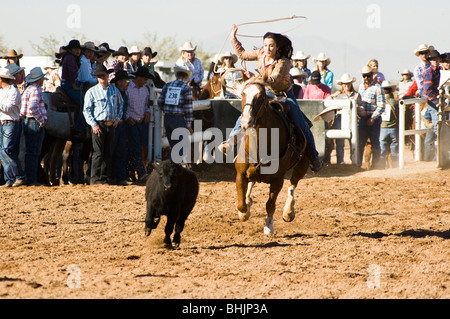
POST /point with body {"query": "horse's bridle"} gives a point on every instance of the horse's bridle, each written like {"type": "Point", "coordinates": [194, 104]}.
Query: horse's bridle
{"type": "Point", "coordinates": [265, 102]}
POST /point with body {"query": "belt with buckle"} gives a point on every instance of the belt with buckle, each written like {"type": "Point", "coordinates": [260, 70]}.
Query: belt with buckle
{"type": "Point", "coordinates": [10, 121]}
{"type": "Point", "coordinates": [106, 123]}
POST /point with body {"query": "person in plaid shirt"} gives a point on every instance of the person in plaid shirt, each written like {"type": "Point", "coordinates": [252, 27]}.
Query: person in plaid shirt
{"type": "Point", "coordinates": [373, 101]}
{"type": "Point", "coordinates": [176, 102]}
{"type": "Point", "coordinates": [35, 117]}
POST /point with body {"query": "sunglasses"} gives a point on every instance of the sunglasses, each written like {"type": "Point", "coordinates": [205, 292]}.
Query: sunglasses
{"type": "Point", "coordinates": [423, 52]}
{"type": "Point", "coordinates": [369, 75]}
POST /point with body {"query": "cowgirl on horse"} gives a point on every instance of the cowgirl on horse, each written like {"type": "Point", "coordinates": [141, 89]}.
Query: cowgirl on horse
{"type": "Point", "coordinates": [274, 64]}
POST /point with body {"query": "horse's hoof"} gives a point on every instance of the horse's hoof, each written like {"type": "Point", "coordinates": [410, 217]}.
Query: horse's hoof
{"type": "Point", "coordinates": [244, 216]}
{"type": "Point", "coordinates": [147, 231]}
{"type": "Point", "coordinates": [288, 217]}
{"type": "Point", "coordinates": [268, 228]}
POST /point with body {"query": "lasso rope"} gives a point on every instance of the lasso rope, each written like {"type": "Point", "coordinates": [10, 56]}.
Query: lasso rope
{"type": "Point", "coordinates": [258, 36]}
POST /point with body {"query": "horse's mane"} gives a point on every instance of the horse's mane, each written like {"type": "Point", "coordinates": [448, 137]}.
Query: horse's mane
{"type": "Point", "coordinates": [241, 86]}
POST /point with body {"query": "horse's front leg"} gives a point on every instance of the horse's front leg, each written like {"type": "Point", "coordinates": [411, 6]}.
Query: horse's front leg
{"type": "Point", "coordinates": [241, 188]}
{"type": "Point", "coordinates": [275, 188]}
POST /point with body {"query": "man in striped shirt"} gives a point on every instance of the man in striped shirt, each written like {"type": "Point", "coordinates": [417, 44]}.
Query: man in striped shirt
{"type": "Point", "coordinates": [176, 102]}
{"type": "Point", "coordinates": [137, 118]}
{"type": "Point", "coordinates": [35, 117]}
{"type": "Point", "coordinates": [103, 109]}
{"type": "Point", "coordinates": [373, 101]}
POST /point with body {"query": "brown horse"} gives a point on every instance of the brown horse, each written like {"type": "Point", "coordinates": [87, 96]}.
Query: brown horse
{"type": "Point", "coordinates": [217, 84]}
{"type": "Point", "coordinates": [258, 113]}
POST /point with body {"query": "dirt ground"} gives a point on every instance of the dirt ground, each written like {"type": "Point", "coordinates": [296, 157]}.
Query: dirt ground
{"type": "Point", "coordinates": [357, 234]}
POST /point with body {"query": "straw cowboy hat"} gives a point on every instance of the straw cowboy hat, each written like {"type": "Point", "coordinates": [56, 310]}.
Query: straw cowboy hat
{"type": "Point", "coordinates": [51, 65]}
{"type": "Point", "coordinates": [346, 78]}
{"type": "Point", "coordinates": [228, 54]}
{"type": "Point", "coordinates": [387, 84]}
{"type": "Point", "coordinates": [5, 74]}
{"type": "Point", "coordinates": [300, 56]}
{"type": "Point", "coordinates": [14, 68]}
{"type": "Point", "coordinates": [12, 54]}
{"type": "Point", "coordinates": [90, 46]}
{"type": "Point", "coordinates": [422, 48]}
{"type": "Point", "coordinates": [178, 68]}
{"type": "Point", "coordinates": [35, 75]}
{"type": "Point", "coordinates": [322, 57]}
{"type": "Point", "coordinates": [406, 71]}
{"type": "Point", "coordinates": [134, 50]}
{"type": "Point", "coordinates": [187, 46]}
{"type": "Point", "coordinates": [121, 51]}
{"type": "Point", "coordinates": [294, 72]}
{"type": "Point", "coordinates": [366, 69]}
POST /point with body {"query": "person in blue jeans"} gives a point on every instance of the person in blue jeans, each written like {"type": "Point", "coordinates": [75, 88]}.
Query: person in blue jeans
{"type": "Point", "coordinates": [389, 139]}
{"type": "Point", "coordinates": [274, 64]}
{"type": "Point", "coordinates": [34, 112]}
{"type": "Point", "coordinates": [10, 130]}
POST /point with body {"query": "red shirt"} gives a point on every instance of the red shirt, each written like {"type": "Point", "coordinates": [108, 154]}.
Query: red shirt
{"type": "Point", "coordinates": [316, 92]}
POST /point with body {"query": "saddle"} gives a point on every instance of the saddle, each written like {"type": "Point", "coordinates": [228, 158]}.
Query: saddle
{"type": "Point", "coordinates": [61, 102]}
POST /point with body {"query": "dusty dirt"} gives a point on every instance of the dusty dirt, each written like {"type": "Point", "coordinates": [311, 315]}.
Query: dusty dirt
{"type": "Point", "coordinates": [357, 234]}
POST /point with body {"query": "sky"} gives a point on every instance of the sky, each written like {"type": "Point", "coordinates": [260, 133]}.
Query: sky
{"type": "Point", "coordinates": [349, 32]}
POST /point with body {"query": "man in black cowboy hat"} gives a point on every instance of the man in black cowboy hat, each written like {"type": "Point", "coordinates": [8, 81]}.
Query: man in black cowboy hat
{"type": "Point", "coordinates": [147, 61]}
{"type": "Point", "coordinates": [137, 118]}
{"type": "Point", "coordinates": [120, 149]}
{"type": "Point", "coordinates": [103, 109]}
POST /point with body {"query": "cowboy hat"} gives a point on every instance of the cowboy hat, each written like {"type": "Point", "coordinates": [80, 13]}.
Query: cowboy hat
{"type": "Point", "coordinates": [106, 46]}
{"type": "Point", "coordinates": [61, 52]}
{"type": "Point", "coordinates": [101, 70]}
{"type": "Point", "coordinates": [51, 65]}
{"type": "Point", "coordinates": [90, 46]}
{"type": "Point", "coordinates": [120, 75]}
{"type": "Point", "coordinates": [300, 56]}
{"type": "Point", "coordinates": [433, 55]}
{"type": "Point", "coordinates": [143, 72]}
{"type": "Point", "coordinates": [346, 78]}
{"type": "Point", "coordinates": [121, 51]}
{"type": "Point", "coordinates": [13, 68]}
{"type": "Point", "coordinates": [178, 68]}
{"type": "Point", "coordinates": [322, 57]}
{"type": "Point", "coordinates": [328, 114]}
{"type": "Point", "coordinates": [445, 57]}
{"type": "Point", "coordinates": [366, 69]}
{"type": "Point", "coordinates": [406, 71]}
{"type": "Point", "coordinates": [421, 48]}
{"type": "Point", "coordinates": [294, 72]}
{"type": "Point", "coordinates": [387, 84]}
{"type": "Point", "coordinates": [187, 46]}
{"type": "Point", "coordinates": [12, 54]}
{"type": "Point", "coordinates": [5, 74]}
{"type": "Point", "coordinates": [35, 75]}
{"type": "Point", "coordinates": [134, 50]}
{"type": "Point", "coordinates": [73, 44]}
{"type": "Point", "coordinates": [228, 54]}
{"type": "Point", "coordinates": [148, 51]}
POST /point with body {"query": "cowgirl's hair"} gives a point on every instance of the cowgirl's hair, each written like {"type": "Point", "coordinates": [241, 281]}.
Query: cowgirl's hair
{"type": "Point", "coordinates": [283, 43]}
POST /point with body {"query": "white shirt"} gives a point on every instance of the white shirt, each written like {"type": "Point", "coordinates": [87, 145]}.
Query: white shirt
{"type": "Point", "coordinates": [10, 102]}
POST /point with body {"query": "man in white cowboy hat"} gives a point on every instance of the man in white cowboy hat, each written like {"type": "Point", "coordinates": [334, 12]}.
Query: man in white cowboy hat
{"type": "Point", "coordinates": [423, 51]}
{"type": "Point", "coordinates": [176, 102]}
{"type": "Point", "coordinates": [35, 118]}
{"type": "Point", "coordinates": [298, 77]}
{"type": "Point", "coordinates": [10, 130]}
{"type": "Point", "coordinates": [19, 75]}
{"type": "Point", "coordinates": [85, 75]}
{"type": "Point", "coordinates": [103, 109]}
{"type": "Point", "coordinates": [374, 103]}
{"type": "Point", "coordinates": [190, 62]}
{"type": "Point", "coordinates": [326, 76]}
{"type": "Point", "coordinates": [405, 83]}
{"type": "Point", "coordinates": [300, 60]}
{"type": "Point", "coordinates": [389, 127]}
